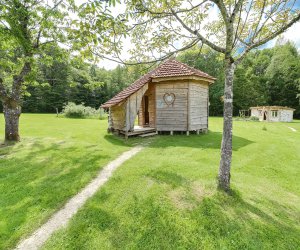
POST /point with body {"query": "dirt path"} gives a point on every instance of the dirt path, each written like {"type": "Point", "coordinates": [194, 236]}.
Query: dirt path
{"type": "Point", "coordinates": [294, 130]}
{"type": "Point", "coordinates": [61, 217]}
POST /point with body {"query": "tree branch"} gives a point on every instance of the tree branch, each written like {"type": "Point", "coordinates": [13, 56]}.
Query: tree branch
{"type": "Point", "coordinates": [168, 55]}
{"type": "Point", "coordinates": [3, 93]}
{"type": "Point", "coordinates": [18, 80]}
{"type": "Point", "coordinates": [268, 38]}
{"type": "Point", "coordinates": [195, 32]}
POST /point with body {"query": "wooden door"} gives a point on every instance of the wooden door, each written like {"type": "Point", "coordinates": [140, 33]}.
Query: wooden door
{"type": "Point", "coordinates": [146, 110]}
{"type": "Point", "coordinates": [265, 115]}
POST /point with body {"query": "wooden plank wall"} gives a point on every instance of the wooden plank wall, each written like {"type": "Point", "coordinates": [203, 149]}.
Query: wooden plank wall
{"type": "Point", "coordinates": [198, 105]}
{"type": "Point", "coordinates": [122, 116]}
{"type": "Point", "coordinates": [118, 116]}
{"type": "Point", "coordinates": [173, 117]}
{"type": "Point", "coordinates": [133, 106]}
{"type": "Point", "coordinates": [151, 107]}
{"type": "Point", "coordinates": [188, 112]}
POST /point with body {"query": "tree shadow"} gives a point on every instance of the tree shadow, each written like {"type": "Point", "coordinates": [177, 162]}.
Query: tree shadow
{"type": "Point", "coordinates": [167, 177]}
{"type": "Point", "coordinates": [219, 221]}
{"type": "Point", "coordinates": [38, 180]}
{"type": "Point", "coordinates": [246, 224]}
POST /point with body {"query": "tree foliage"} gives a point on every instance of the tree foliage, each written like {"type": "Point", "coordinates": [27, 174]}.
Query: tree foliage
{"type": "Point", "coordinates": [265, 77]}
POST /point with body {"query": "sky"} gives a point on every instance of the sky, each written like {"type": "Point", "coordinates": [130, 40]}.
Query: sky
{"type": "Point", "coordinates": [292, 34]}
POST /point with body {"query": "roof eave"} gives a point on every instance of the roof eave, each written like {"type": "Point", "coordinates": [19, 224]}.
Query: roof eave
{"type": "Point", "coordinates": [183, 77]}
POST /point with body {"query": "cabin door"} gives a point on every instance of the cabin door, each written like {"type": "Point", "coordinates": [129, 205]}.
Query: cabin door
{"type": "Point", "coordinates": [265, 115]}
{"type": "Point", "coordinates": [146, 110]}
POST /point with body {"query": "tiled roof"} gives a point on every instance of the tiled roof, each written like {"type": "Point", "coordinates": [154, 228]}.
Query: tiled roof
{"type": "Point", "coordinates": [168, 68]}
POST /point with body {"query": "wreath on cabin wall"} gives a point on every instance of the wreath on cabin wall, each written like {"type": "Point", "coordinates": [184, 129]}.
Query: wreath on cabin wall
{"type": "Point", "coordinates": [169, 99]}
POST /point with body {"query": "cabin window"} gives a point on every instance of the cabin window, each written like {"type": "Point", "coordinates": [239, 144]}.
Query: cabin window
{"type": "Point", "coordinates": [274, 113]}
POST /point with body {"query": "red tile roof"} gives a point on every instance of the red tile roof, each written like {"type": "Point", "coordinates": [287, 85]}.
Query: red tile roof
{"type": "Point", "coordinates": [168, 68]}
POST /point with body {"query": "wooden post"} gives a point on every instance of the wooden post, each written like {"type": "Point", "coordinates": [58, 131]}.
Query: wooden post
{"type": "Point", "coordinates": [187, 133]}
{"type": "Point", "coordinates": [197, 131]}
{"type": "Point", "coordinates": [171, 132]}
{"type": "Point", "coordinates": [188, 107]}
{"type": "Point", "coordinates": [207, 106]}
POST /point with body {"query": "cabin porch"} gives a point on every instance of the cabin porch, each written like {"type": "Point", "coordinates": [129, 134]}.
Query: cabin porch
{"type": "Point", "coordinates": [139, 131]}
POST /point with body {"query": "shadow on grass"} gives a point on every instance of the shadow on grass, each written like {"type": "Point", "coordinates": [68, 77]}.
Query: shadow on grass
{"type": "Point", "coordinates": [220, 221]}
{"type": "Point", "coordinates": [117, 140]}
{"type": "Point", "coordinates": [167, 177]}
{"type": "Point", "coordinates": [38, 180]}
{"type": "Point", "coordinates": [211, 140]}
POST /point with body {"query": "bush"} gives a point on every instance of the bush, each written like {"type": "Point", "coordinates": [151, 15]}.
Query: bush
{"type": "Point", "coordinates": [71, 110]}
{"type": "Point", "coordinates": [254, 118]}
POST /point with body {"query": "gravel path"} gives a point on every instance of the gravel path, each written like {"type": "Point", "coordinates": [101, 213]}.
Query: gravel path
{"type": "Point", "coordinates": [294, 130]}
{"type": "Point", "coordinates": [61, 217]}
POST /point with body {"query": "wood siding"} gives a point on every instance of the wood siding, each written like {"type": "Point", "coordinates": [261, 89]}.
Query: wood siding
{"type": "Point", "coordinates": [172, 117]}
{"type": "Point", "coordinates": [122, 116]}
{"type": "Point", "coordinates": [117, 116]}
{"type": "Point", "coordinates": [198, 105]}
{"type": "Point", "coordinates": [189, 111]}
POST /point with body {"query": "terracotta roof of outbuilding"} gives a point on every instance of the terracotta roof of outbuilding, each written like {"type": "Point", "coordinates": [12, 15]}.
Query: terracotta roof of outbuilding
{"type": "Point", "coordinates": [168, 68]}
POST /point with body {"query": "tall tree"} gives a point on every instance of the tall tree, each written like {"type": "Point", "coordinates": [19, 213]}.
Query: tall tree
{"type": "Point", "coordinates": [26, 27]}
{"type": "Point", "coordinates": [160, 29]}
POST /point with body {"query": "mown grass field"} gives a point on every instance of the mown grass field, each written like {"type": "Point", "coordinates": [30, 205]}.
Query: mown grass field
{"type": "Point", "coordinates": [166, 198]}
{"type": "Point", "coordinates": [163, 198]}
{"type": "Point", "coordinates": [56, 158]}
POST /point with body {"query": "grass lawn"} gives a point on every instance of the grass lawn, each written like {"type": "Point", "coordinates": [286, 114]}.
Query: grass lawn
{"type": "Point", "coordinates": [165, 197]}
{"type": "Point", "coordinates": [56, 158]}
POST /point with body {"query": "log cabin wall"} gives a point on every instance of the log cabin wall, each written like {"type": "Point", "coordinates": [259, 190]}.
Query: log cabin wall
{"type": "Point", "coordinates": [172, 117]}
{"type": "Point", "coordinates": [198, 105]}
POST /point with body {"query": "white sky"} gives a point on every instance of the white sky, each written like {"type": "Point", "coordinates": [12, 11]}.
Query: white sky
{"type": "Point", "coordinates": [292, 34]}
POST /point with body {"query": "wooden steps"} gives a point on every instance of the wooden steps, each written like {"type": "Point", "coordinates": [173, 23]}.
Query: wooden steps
{"type": "Point", "coordinates": [143, 132]}
{"type": "Point", "coordinates": [148, 134]}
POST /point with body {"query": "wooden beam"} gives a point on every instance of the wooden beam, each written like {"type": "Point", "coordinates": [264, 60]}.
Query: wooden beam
{"type": "Point", "coordinates": [180, 78]}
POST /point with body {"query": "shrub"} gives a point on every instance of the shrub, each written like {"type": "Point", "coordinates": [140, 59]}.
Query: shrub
{"type": "Point", "coordinates": [254, 118]}
{"type": "Point", "coordinates": [71, 110]}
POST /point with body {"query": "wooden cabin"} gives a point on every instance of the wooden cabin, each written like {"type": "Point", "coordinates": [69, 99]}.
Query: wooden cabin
{"type": "Point", "coordinates": [172, 97]}
{"type": "Point", "coordinates": [273, 113]}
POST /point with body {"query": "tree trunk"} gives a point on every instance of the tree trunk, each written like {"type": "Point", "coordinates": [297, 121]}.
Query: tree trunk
{"type": "Point", "coordinates": [226, 148]}
{"type": "Point", "coordinates": [12, 112]}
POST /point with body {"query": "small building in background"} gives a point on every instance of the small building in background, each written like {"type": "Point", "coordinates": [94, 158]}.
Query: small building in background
{"type": "Point", "coordinates": [273, 113]}
{"type": "Point", "coordinates": [172, 97]}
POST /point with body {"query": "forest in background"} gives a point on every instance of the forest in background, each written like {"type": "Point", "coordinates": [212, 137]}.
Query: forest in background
{"type": "Point", "coordinates": [266, 77]}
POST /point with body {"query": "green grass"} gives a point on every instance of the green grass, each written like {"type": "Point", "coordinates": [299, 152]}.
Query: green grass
{"type": "Point", "coordinates": [166, 198]}
{"type": "Point", "coordinates": [55, 159]}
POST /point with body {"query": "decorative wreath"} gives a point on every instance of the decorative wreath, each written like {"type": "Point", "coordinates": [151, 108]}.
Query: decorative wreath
{"type": "Point", "coordinates": [169, 98]}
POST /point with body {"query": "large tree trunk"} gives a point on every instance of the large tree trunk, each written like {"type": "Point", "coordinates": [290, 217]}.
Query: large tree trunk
{"type": "Point", "coordinates": [226, 148]}
{"type": "Point", "coordinates": [12, 112]}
